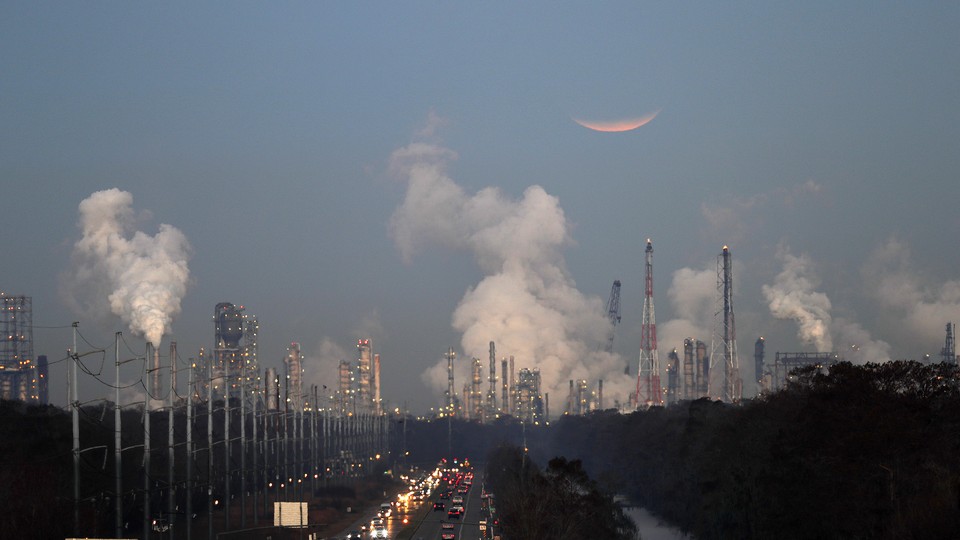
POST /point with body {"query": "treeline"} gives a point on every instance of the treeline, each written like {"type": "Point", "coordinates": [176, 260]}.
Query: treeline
{"type": "Point", "coordinates": [854, 452]}
{"type": "Point", "coordinates": [558, 503]}
{"type": "Point", "coordinates": [37, 471]}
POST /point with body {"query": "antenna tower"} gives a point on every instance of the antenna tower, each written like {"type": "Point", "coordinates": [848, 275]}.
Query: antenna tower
{"type": "Point", "coordinates": [949, 351]}
{"type": "Point", "coordinates": [648, 376]}
{"type": "Point", "coordinates": [725, 335]}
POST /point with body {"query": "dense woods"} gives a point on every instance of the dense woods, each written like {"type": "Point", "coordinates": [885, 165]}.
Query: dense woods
{"type": "Point", "coordinates": [854, 452]}
{"type": "Point", "coordinates": [558, 503]}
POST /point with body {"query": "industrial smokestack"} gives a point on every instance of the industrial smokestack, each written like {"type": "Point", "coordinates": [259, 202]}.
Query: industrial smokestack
{"type": "Point", "coordinates": [513, 388]}
{"type": "Point", "coordinates": [703, 364]}
{"type": "Point", "coordinates": [451, 356]}
{"type": "Point", "coordinates": [758, 355]}
{"type": "Point", "coordinates": [476, 408]}
{"type": "Point", "coordinates": [153, 353]}
{"type": "Point", "coordinates": [344, 387]}
{"type": "Point", "coordinates": [294, 365]}
{"type": "Point", "coordinates": [365, 399]}
{"type": "Point", "coordinates": [505, 399]}
{"type": "Point", "coordinates": [492, 393]}
{"type": "Point", "coordinates": [689, 374]}
{"type": "Point", "coordinates": [377, 405]}
{"type": "Point", "coordinates": [272, 389]}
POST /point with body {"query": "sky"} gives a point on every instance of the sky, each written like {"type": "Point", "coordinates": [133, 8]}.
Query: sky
{"type": "Point", "coordinates": [417, 173]}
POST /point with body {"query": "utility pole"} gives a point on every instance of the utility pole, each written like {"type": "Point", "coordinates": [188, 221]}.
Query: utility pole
{"type": "Point", "coordinates": [189, 454]}
{"type": "Point", "coordinates": [209, 447]}
{"type": "Point", "coordinates": [226, 443]}
{"type": "Point", "coordinates": [74, 405]}
{"type": "Point", "coordinates": [116, 442]}
{"type": "Point", "coordinates": [146, 442]}
{"type": "Point", "coordinates": [256, 452]}
{"type": "Point", "coordinates": [171, 449]}
{"type": "Point", "coordinates": [243, 442]}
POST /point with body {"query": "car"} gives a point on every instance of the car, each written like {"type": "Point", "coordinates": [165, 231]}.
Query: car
{"type": "Point", "coordinates": [457, 500]}
{"type": "Point", "coordinates": [354, 535]}
{"type": "Point", "coordinates": [439, 506]}
{"type": "Point", "coordinates": [447, 536]}
{"type": "Point", "coordinates": [454, 512]}
{"type": "Point", "coordinates": [378, 532]}
{"type": "Point", "coordinates": [445, 495]}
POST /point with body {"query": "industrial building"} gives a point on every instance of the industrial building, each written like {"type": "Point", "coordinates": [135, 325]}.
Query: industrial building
{"type": "Point", "coordinates": [294, 378]}
{"type": "Point", "coordinates": [227, 354]}
{"type": "Point", "coordinates": [358, 384]}
{"type": "Point", "coordinates": [19, 373]}
{"type": "Point", "coordinates": [364, 387]}
{"type": "Point", "coordinates": [784, 363]}
{"type": "Point", "coordinates": [530, 406]}
{"type": "Point", "coordinates": [521, 395]}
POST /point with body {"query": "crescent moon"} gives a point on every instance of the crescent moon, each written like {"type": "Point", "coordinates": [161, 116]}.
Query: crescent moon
{"type": "Point", "coordinates": [617, 126]}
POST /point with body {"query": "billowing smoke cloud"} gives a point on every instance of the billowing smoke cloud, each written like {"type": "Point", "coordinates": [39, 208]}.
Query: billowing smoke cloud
{"type": "Point", "coordinates": [857, 345]}
{"type": "Point", "coordinates": [922, 309]}
{"type": "Point", "coordinates": [527, 303]}
{"type": "Point", "coordinates": [693, 296]}
{"type": "Point", "coordinates": [792, 296]}
{"type": "Point", "coordinates": [138, 277]}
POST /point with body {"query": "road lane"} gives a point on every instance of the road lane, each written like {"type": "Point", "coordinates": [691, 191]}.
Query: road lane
{"type": "Point", "coordinates": [466, 527]}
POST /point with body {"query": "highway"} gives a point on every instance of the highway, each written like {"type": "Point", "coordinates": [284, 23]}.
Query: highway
{"type": "Point", "coordinates": [436, 524]}
{"type": "Point", "coordinates": [466, 527]}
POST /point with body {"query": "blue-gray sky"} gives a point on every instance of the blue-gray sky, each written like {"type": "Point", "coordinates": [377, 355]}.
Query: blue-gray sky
{"type": "Point", "coordinates": [821, 141]}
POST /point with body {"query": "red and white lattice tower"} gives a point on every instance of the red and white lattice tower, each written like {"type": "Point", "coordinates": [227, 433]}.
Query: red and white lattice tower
{"type": "Point", "coordinates": [648, 376]}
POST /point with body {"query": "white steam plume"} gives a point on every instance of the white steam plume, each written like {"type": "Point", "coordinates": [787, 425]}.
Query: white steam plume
{"type": "Point", "coordinates": [792, 296]}
{"type": "Point", "coordinates": [692, 295]}
{"type": "Point", "coordinates": [527, 303]}
{"type": "Point", "coordinates": [858, 346]}
{"type": "Point", "coordinates": [140, 278]}
{"type": "Point", "coordinates": [923, 309]}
